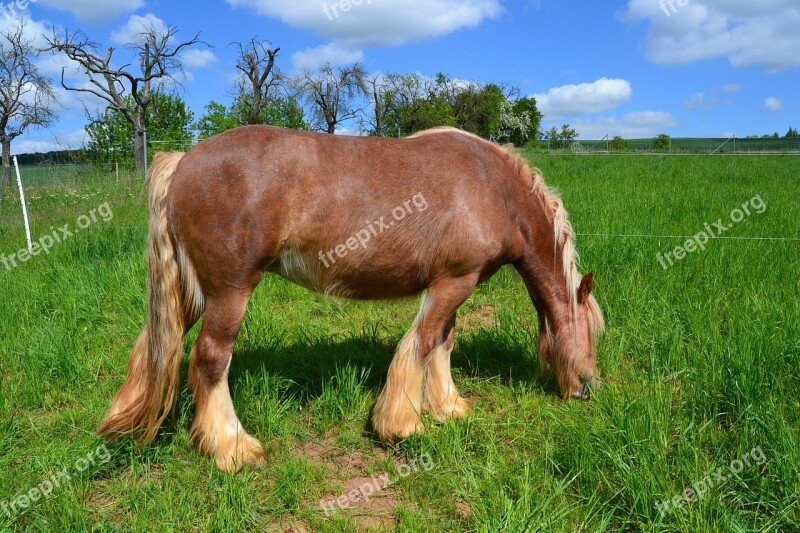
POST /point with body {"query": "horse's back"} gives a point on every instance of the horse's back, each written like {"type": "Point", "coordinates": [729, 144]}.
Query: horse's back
{"type": "Point", "coordinates": [360, 217]}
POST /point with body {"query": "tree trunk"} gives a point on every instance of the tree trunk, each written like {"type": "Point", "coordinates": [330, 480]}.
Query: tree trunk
{"type": "Point", "coordinates": [138, 148]}
{"type": "Point", "coordinates": [331, 128]}
{"type": "Point", "coordinates": [6, 161]}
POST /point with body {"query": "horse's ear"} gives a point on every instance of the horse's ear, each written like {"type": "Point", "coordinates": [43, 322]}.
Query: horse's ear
{"type": "Point", "coordinates": [585, 288]}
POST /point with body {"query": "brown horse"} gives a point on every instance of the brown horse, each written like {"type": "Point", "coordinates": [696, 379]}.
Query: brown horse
{"type": "Point", "coordinates": [364, 218]}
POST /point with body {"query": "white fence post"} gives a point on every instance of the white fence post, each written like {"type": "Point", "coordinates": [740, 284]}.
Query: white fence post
{"type": "Point", "coordinates": [24, 207]}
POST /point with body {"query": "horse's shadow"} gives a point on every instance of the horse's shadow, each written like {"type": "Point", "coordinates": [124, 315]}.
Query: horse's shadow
{"type": "Point", "coordinates": [308, 364]}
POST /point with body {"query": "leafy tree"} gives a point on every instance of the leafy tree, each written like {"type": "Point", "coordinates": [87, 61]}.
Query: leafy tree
{"type": "Point", "coordinates": [217, 119]}
{"type": "Point", "coordinates": [791, 134]}
{"type": "Point", "coordinates": [421, 115]}
{"type": "Point", "coordinates": [519, 122]}
{"type": "Point", "coordinates": [618, 144]}
{"type": "Point", "coordinates": [478, 109]}
{"type": "Point", "coordinates": [662, 142]}
{"type": "Point", "coordinates": [528, 105]}
{"type": "Point", "coordinates": [167, 122]}
{"type": "Point", "coordinates": [285, 112]}
{"type": "Point", "coordinates": [563, 138]}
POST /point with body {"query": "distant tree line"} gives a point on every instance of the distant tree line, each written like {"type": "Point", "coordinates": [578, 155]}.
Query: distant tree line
{"type": "Point", "coordinates": [791, 134]}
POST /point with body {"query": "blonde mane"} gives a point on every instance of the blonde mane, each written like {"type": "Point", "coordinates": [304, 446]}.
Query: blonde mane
{"type": "Point", "coordinates": [564, 235]}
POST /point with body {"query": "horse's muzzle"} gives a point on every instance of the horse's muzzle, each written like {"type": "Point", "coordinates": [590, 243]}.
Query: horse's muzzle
{"type": "Point", "coordinates": [586, 388]}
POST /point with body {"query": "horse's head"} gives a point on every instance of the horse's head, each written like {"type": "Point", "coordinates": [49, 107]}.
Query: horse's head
{"type": "Point", "coordinates": [571, 349]}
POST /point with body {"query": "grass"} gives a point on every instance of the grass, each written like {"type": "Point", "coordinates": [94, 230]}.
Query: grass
{"type": "Point", "coordinates": [701, 364]}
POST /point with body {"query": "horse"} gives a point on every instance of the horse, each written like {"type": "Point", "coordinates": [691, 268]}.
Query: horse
{"type": "Point", "coordinates": [372, 218]}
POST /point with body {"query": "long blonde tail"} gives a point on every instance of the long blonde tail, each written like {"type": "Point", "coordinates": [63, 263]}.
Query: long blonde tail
{"type": "Point", "coordinates": [174, 303]}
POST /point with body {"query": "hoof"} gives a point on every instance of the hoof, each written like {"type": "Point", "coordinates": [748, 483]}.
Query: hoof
{"type": "Point", "coordinates": [235, 453]}
{"type": "Point", "coordinates": [402, 427]}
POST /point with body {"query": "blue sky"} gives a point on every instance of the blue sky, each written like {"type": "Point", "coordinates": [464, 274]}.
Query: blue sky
{"type": "Point", "coordinates": [634, 68]}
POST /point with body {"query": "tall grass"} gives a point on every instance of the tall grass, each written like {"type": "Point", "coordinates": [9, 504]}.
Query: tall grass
{"type": "Point", "coordinates": [701, 364]}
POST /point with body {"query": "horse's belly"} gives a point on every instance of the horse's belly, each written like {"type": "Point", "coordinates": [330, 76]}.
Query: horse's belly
{"type": "Point", "coordinates": [344, 280]}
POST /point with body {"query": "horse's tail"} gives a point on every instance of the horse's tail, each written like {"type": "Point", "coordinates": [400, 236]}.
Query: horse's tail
{"type": "Point", "coordinates": [175, 302]}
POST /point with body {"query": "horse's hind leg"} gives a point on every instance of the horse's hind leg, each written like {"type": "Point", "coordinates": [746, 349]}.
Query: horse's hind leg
{"type": "Point", "coordinates": [216, 429]}
{"type": "Point", "coordinates": [397, 411]}
{"type": "Point", "coordinates": [440, 395]}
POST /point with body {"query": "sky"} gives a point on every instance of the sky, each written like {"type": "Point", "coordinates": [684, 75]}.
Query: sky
{"type": "Point", "coordinates": [634, 68]}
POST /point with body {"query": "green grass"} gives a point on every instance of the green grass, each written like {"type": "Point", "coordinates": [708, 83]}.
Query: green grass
{"type": "Point", "coordinates": [701, 364]}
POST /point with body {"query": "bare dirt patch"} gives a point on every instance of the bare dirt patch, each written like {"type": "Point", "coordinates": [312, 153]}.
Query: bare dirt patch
{"type": "Point", "coordinates": [363, 497]}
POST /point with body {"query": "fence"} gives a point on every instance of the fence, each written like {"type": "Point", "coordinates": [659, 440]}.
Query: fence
{"type": "Point", "coordinates": [686, 145]}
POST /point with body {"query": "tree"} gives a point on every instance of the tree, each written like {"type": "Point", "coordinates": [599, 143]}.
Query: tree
{"type": "Point", "coordinates": [662, 142]}
{"type": "Point", "coordinates": [563, 138]}
{"type": "Point", "coordinates": [527, 105]}
{"type": "Point", "coordinates": [284, 112]}
{"type": "Point", "coordinates": [477, 109]}
{"type": "Point", "coordinates": [419, 104]}
{"type": "Point", "coordinates": [256, 61]}
{"type": "Point", "coordinates": [159, 60]}
{"type": "Point", "coordinates": [217, 119]}
{"type": "Point", "coordinates": [513, 126]}
{"type": "Point", "coordinates": [26, 98]}
{"type": "Point", "coordinates": [168, 122]}
{"type": "Point", "coordinates": [791, 134]}
{"type": "Point", "coordinates": [333, 94]}
{"type": "Point", "coordinates": [618, 144]}
{"type": "Point", "coordinates": [383, 103]}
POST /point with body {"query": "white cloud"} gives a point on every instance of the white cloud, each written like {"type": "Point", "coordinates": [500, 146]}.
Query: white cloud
{"type": "Point", "coordinates": [94, 11]}
{"type": "Point", "coordinates": [137, 25]}
{"type": "Point", "coordinates": [195, 58]}
{"type": "Point", "coordinates": [333, 53]}
{"type": "Point", "coordinates": [352, 25]}
{"type": "Point", "coordinates": [773, 104]}
{"type": "Point", "coordinates": [745, 32]}
{"type": "Point", "coordinates": [377, 22]}
{"type": "Point", "coordinates": [731, 88]}
{"type": "Point", "coordinates": [641, 124]}
{"type": "Point", "coordinates": [586, 98]}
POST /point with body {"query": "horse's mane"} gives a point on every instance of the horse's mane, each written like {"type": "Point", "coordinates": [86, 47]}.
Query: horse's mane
{"type": "Point", "coordinates": [564, 235]}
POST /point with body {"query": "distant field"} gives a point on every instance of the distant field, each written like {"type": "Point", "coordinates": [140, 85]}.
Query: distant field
{"type": "Point", "coordinates": [701, 365]}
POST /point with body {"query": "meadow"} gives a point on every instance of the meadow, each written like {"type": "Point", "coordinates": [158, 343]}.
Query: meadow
{"type": "Point", "coordinates": [695, 429]}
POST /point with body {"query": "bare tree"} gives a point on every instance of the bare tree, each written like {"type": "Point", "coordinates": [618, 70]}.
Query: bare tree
{"type": "Point", "coordinates": [333, 94]}
{"type": "Point", "coordinates": [159, 61]}
{"type": "Point", "coordinates": [26, 98]}
{"type": "Point", "coordinates": [256, 60]}
{"type": "Point", "coordinates": [383, 100]}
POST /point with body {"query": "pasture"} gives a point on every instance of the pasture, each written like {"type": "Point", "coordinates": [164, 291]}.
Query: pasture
{"type": "Point", "coordinates": [700, 365]}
